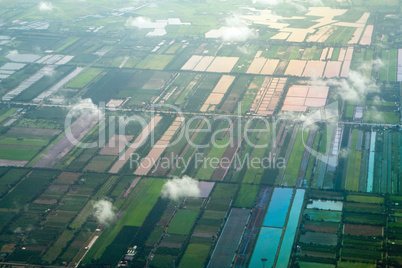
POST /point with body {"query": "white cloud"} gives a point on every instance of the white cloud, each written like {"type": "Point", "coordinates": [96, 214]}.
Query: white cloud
{"type": "Point", "coordinates": [139, 22]}
{"type": "Point", "coordinates": [236, 30]}
{"type": "Point", "coordinates": [83, 106]}
{"type": "Point", "coordinates": [48, 71]}
{"type": "Point", "coordinates": [177, 188]}
{"type": "Point", "coordinates": [104, 212]}
{"type": "Point", "coordinates": [243, 50]}
{"type": "Point", "coordinates": [45, 6]}
{"type": "Point", "coordinates": [356, 87]}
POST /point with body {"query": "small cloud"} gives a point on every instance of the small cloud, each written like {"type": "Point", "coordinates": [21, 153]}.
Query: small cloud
{"type": "Point", "coordinates": [45, 6]}
{"type": "Point", "coordinates": [177, 188]}
{"type": "Point", "coordinates": [104, 212]}
{"type": "Point", "coordinates": [236, 30]}
{"type": "Point", "coordinates": [243, 50]}
{"type": "Point", "coordinates": [48, 71]}
{"type": "Point", "coordinates": [139, 22]}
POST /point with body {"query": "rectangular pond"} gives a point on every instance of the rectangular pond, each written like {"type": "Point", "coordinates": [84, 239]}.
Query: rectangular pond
{"type": "Point", "coordinates": [278, 207]}
{"type": "Point", "coordinates": [291, 227]}
{"type": "Point", "coordinates": [266, 247]}
{"type": "Point", "coordinates": [370, 176]}
{"type": "Point", "coordinates": [326, 205]}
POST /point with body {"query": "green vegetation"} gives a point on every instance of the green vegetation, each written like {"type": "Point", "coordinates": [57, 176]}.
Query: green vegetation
{"type": "Point", "coordinates": [208, 167]}
{"type": "Point", "coordinates": [155, 62]}
{"type": "Point", "coordinates": [353, 175]}
{"type": "Point", "coordinates": [183, 222]}
{"type": "Point", "coordinates": [365, 199]}
{"type": "Point", "coordinates": [323, 215]}
{"type": "Point", "coordinates": [246, 196]}
{"type": "Point", "coordinates": [292, 167]}
{"type": "Point", "coordinates": [5, 114]}
{"type": "Point", "coordinates": [84, 78]}
{"type": "Point", "coordinates": [194, 256]}
{"type": "Point", "coordinates": [381, 117]}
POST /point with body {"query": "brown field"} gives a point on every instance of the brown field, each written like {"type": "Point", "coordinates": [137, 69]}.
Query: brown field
{"type": "Point", "coordinates": [317, 92]}
{"type": "Point", "coordinates": [224, 84]}
{"type": "Point", "coordinates": [191, 63]}
{"type": "Point", "coordinates": [364, 230]}
{"type": "Point", "coordinates": [203, 64]}
{"type": "Point", "coordinates": [366, 38]}
{"type": "Point", "coordinates": [295, 67]}
{"type": "Point", "coordinates": [268, 96]}
{"type": "Point", "coordinates": [349, 54]}
{"type": "Point", "coordinates": [269, 67]}
{"type": "Point", "coordinates": [148, 162]}
{"type": "Point", "coordinates": [320, 33]}
{"type": "Point", "coordinates": [324, 229]}
{"type": "Point", "coordinates": [356, 36]}
{"type": "Point", "coordinates": [298, 91]}
{"type": "Point", "coordinates": [324, 54]}
{"type": "Point", "coordinates": [300, 97]}
{"type": "Point", "coordinates": [218, 93]}
{"type": "Point", "coordinates": [256, 66]}
{"type": "Point", "coordinates": [222, 64]}
{"type": "Point", "coordinates": [298, 35]}
{"type": "Point", "coordinates": [364, 18]}
{"type": "Point", "coordinates": [345, 69]}
{"type": "Point", "coordinates": [332, 69]}
{"type": "Point", "coordinates": [342, 54]}
{"type": "Point", "coordinates": [137, 143]}
{"type": "Point", "coordinates": [330, 51]}
{"type": "Point", "coordinates": [312, 102]}
{"type": "Point", "coordinates": [314, 68]}
{"type": "Point", "coordinates": [280, 36]}
{"type": "Point", "coordinates": [114, 103]}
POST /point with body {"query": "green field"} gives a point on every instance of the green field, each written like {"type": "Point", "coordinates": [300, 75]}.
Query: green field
{"type": "Point", "coordinates": [344, 264]}
{"type": "Point", "coordinates": [194, 256]}
{"type": "Point", "coordinates": [292, 167]}
{"type": "Point", "coordinates": [255, 172]}
{"type": "Point", "coordinates": [365, 199]}
{"type": "Point", "coordinates": [208, 167]}
{"type": "Point", "coordinates": [5, 114]}
{"type": "Point", "coordinates": [246, 196]}
{"type": "Point", "coordinates": [136, 209]}
{"type": "Point", "coordinates": [374, 116]}
{"type": "Point", "coordinates": [183, 222]}
{"type": "Point", "coordinates": [24, 141]}
{"type": "Point", "coordinates": [70, 40]}
{"type": "Point", "coordinates": [84, 78]}
{"type": "Point", "coordinates": [353, 175]}
{"type": "Point", "coordinates": [324, 215]}
{"type": "Point", "coordinates": [100, 163]}
{"type": "Point", "coordinates": [10, 178]}
{"type": "Point", "coordinates": [155, 62]}
{"type": "Point", "coordinates": [18, 153]}
{"type": "Point", "coordinates": [27, 189]}
{"type": "Point", "coordinates": [315, 265]}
